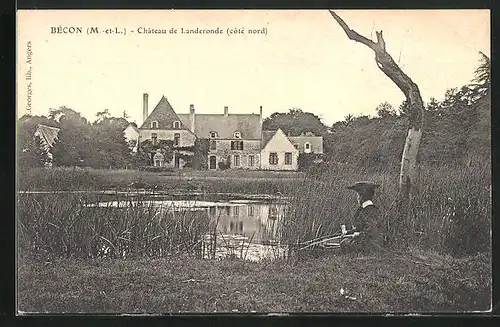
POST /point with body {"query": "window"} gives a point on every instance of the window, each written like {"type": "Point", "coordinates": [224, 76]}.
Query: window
{"type": "Point", "coordinates": [251, 160]}
{"type": "Point", "coordinates": [236, 211]}
{"type": "Point", "coordinates": [251, 211]}
{"type": "Point", "coordinates": [307, 147]}
{"type": "Point", "coordinates": [213, 145]}
{"type": "Point", "coordinates": [154, 138]}
{"type": "Point", "coordinates": [213, 135]}
{"type": "Point", "coordinates": [177, 138]}
{"type": "Point", "coordinates": [296, 146]}
{"type": "Point", "coordinates": [273, 158]}
{"type": "Point", "coordinates": [236, 145]}
{"type": "Point", "coordinates": [273, 212]}
{"type": "Point", "coordinates": [237, 135]}
{"type": "Point", "coordinates": [236, 160]}
{"type": "Point", "coordinates": [177, 124]}
{"type": "Point", "coordinates": [154, 124]}
{"type": "Point", "coordinates": [241, 227]}
{"type": "Point", "coordinates": [227, 210]}
{"type": "Point", "coordinates": [288, 158]}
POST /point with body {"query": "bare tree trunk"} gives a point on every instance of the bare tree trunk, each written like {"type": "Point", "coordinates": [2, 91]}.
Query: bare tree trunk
{"type": "Point", "coordinates": [415, 107]}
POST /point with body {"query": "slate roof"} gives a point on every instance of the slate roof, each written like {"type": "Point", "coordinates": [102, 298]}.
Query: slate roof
{"type": "Point", "coordinates": [276, 135]}
{"type": "Point", "coordinates": [266, 136]}
{"type": "Point", "coordinates": [316, 142]}
{"type": "Point", "coordinates": [247, 124]}
{"type": "Point", "coordinates": [165, 115]}
{"type": "Point", "coordinates": [47, 134]}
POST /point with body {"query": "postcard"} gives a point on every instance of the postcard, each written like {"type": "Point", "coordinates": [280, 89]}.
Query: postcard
{"type": "Point", "coordinates": [253, 161]}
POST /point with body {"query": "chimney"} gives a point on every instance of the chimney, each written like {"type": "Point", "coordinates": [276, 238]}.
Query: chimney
{"type": "Point", "coordinates": [191, 117]}
{"type": "Point", "coordinates": [144, 107]}
{"type": "Point", "coordinates": [260, 113]}
{"type": "Point", "coordinates": [226, 110]}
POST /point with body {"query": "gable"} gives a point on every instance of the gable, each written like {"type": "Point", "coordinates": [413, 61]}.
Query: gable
{"type": "Point", "coordinates": [164, 114]}
{"type": "Point", "coordinates": [315, 141]}
{"type": "Point", "coordinates": [279, 142]}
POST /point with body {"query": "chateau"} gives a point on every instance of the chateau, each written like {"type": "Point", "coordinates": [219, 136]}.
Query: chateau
{"type": "Point", "coordinates": [236, 141]}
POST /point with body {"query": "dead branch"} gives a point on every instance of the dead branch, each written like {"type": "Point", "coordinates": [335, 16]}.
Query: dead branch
{"type": "Point", "coordinates": [389, 67]}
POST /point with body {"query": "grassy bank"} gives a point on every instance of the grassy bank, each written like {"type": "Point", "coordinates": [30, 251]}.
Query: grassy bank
{"type": "Point", "coordinates": [237, 181]}
{"type": "Point", "coordinates": [60, 238]}
{"type": "Point", "coordinates": [183, 284]}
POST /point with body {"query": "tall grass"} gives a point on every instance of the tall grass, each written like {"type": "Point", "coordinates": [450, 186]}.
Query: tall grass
{"type": "Point", "coordinates": [450, 207]}
{"type": "Point", "coordinates": [450, 210]}
{"type": "Point", "coordinates": [64, 226]}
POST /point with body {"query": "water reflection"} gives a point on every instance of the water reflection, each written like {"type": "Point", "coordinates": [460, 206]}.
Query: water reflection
{"type": "Point", "coordinates": [246, 229]}
{"type": "Point", "coordinates": [257, 220]}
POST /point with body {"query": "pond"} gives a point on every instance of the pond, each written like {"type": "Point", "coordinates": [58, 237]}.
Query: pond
{"type": "Point", "coordinates": [245, 228]}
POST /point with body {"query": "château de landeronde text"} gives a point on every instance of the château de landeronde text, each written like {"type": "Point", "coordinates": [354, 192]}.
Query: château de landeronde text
{"type": "Point", "coordinates": [151, 30]}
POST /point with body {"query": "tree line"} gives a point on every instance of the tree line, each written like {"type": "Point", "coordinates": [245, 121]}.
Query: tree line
{"type": "Point", "coordinates": [98, 144]}
{"type": "Point", "coordinates": [457, 130]}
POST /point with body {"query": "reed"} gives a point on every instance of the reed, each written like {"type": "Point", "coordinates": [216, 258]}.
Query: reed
{"type": "Point", "coordinates": [450, 211]}
{"type": "Point", "coordinates": [450, 208]}
{"type": "Point", "coordinates": [64, 225]}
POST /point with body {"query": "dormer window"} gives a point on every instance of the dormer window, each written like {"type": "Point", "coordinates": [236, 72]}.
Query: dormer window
{"type": "Point", "coordinates": [307, 147]}
{"type": "Point", "coordinates": [154, 124]}
{"type": "Point", "coordinates": [237, 135]}
{"type": "Point", "coordinates": [177, 124]}
{"type": "Point", "coordinates": [213, 135]}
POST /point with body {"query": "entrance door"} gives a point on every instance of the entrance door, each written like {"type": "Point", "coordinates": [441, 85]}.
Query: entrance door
{"type": "Point", "coordinates": [213, 162]}
{"type": "Point", "coordinates": [176, 161]}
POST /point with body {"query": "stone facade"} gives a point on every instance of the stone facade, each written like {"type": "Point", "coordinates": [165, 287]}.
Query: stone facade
{"type": "Point", "coordinates": [236, 141]}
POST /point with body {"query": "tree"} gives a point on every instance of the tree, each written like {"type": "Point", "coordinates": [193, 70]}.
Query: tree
{"type": "Point", "coordinates": [200, 155]}
{"type": "Point", "coordinates": [348, 119]}
{"type": "Point", "coordinates": [101, 115]}
{"type": "Point", "coordinates": [480, 137]}
{"type": "Point", "coordinates": [416, 109]}
{"type": "Point", "coordinates": [385, 109]}
{"type": "Point", "coordinates": [74, 139]}
{"type": "Point", "coordinates": [109, 143]}
{"type": "Point", "coordinates": [411, 91]}
{"type": "Point", "coordinates": [483, 75]}
{"type": "Point", "coordinates": [295, 122]}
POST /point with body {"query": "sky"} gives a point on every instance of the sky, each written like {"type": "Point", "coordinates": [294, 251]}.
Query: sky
{"type": "Point", "coordinates": [304, 60]}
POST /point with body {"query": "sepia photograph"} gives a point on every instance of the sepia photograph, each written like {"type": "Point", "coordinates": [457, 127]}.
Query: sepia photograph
{"type": "Point", "coordinates": [253, 161]}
